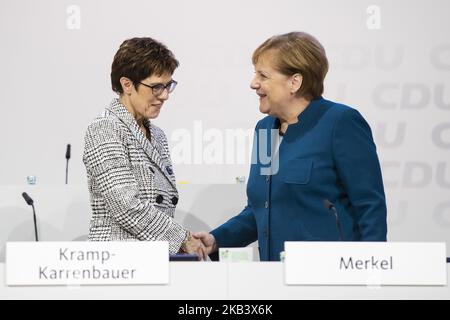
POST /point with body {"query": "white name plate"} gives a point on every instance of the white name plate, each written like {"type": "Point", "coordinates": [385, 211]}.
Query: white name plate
{"type": "Point", "coordinates": [365, 263]}
{"type": "Point", "coordinates": [87, 263]}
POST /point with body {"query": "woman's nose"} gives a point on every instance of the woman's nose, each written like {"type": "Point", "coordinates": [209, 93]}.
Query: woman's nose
{"type": "Point", "coordinates": [254, 84]}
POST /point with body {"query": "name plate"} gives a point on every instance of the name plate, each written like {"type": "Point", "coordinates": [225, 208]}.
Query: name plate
{"type": "Point", "coordinates": [365, 263]}
{"type": "Point", "coordinates": [87, 263]}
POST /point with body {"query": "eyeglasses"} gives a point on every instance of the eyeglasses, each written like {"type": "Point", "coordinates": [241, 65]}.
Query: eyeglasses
{"type": "Point", "coordinates": [159, 88]}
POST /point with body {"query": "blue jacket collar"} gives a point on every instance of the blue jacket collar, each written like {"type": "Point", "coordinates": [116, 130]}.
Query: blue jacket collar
{"type": "Point", "coordinates": [306, 119]}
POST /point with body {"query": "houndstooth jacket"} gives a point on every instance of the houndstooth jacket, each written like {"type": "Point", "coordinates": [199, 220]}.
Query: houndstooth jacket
{"type": "Point", "coordinates": [130, 180]}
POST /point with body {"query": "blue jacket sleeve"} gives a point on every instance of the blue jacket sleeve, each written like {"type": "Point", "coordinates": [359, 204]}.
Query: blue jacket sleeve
{"type": "Point", "coordinates": [359, 170]}
{"type": "Point", "coordinates": [239, 231]}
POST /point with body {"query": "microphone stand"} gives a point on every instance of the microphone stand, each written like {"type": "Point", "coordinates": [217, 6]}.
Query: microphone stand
{"type": "Point", "coordinates": [330, 206]}
{"type": "Point", "coordinates": [67, 170]}
{"type": "Point", "coordinates": [30, 202]}
{"type": "Point", "coordinates": [35, 224]}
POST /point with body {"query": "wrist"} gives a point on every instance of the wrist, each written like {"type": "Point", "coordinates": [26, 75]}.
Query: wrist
{"type": "Point", "coordinates": [187, 238]}
{"type": "Point", "coordinates": [215, 247]}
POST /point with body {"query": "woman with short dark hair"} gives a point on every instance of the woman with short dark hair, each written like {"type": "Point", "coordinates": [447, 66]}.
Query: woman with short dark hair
{"type": "Point", "coordinates": [130, 176]}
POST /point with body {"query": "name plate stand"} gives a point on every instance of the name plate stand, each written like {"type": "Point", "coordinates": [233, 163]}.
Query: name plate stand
{"type": "Point", "coordinates": [87, 263]}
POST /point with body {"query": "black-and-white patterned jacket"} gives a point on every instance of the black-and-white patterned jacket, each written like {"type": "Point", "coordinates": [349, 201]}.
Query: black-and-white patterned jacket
{"type": "Point", "coordinates": [131, 181]}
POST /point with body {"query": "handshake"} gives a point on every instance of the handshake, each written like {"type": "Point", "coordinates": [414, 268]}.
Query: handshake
{"type": "Point", "coordinates": [201, 243]}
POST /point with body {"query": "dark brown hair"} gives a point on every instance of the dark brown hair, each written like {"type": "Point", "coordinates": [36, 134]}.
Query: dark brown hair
{"type": "Point", "coordinates": [140, 58]}
{"type": "Point", "coordinates": [298, 52]}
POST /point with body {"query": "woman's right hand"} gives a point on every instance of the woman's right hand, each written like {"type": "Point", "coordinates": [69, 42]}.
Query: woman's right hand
{"type": "Point", "coordinates": [208, 241]}
{"type": "Point", "coordinates": [193, 245]}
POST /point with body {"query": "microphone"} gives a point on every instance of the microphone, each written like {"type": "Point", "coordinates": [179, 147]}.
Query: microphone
{"type": "Point", "coordinates": [330, 206]}
{"type": "Point", "coordinates": [67, 161]}
{"type": "Point", "coordinates": [30, 202]}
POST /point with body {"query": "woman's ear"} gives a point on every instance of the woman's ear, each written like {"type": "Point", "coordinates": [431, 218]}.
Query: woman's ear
{"type": "Point", "coordinates": [296, 82]}
{"type": "Point", "coordinates": [127, 85]}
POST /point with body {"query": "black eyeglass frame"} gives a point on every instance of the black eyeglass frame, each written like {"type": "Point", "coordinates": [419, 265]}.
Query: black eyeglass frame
{"type": "Point", "coordinates": [158, 88]}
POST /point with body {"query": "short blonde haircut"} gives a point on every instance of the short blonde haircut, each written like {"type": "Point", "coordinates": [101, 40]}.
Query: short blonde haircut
{"type": "Point", "coordinates": [298, 52]}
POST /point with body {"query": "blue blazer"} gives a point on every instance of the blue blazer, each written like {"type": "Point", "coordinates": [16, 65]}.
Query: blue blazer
{"type": "Point", "coordinates": [328, 154]}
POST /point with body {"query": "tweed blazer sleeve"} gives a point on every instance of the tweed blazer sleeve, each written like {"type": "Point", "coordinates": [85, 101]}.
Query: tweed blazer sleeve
{"type": "Point", "coordinates": [116, 185]}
